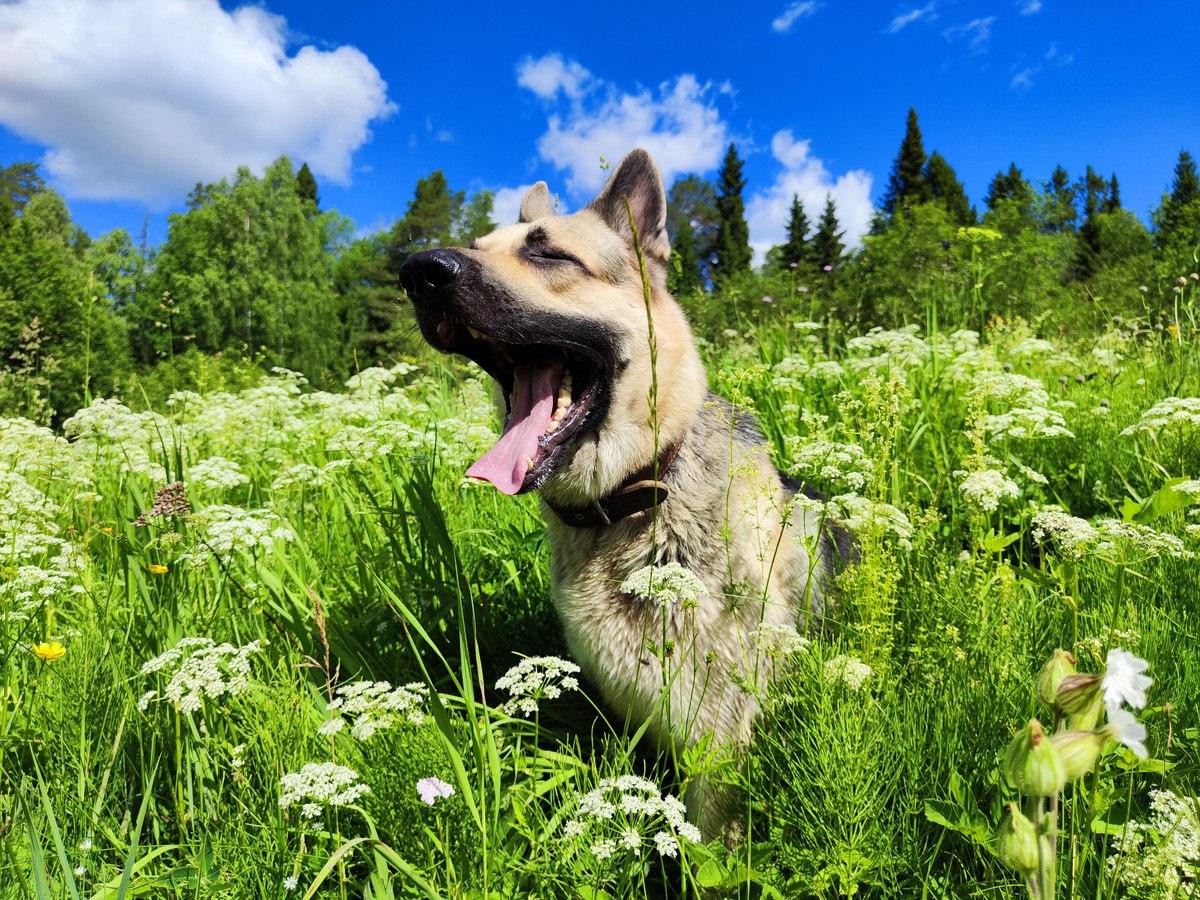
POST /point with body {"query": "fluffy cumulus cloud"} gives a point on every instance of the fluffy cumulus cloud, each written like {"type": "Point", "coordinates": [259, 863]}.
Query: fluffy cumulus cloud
{"type": "Point", "coordinates": [806, 176]}
{"type": "Point", "coordinates": [590, 118]}
{"type": "Point", "coordinates": [140, 99]}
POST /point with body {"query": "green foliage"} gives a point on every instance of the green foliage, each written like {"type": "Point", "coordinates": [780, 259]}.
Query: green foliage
{"type": "Point", "coordinates": [827, 247]}
{"type": "Point", "coordinates": [732, 242]}
{"type": "Point", "coordinates": [909, 182]}
{"type": "Point", "coordinates": [693, 200]}
{"type": "Point", "coordinates": [306, 187]}
{"type": "Point", "coordinates": [945, 187]}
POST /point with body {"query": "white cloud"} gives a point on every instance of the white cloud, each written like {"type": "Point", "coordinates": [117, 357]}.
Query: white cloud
{"type": "Point", "coordinates": [445, 137]}
{"type": "Point", "coordinates": [680, 127]}
{"type": "Point", "coordinates": [911, 16]}
{"type": "Point", "coordinates": [1023, 79]}
{"type": "Point", "coordinates": [1029, 7]}
{"type": "Point", "coordinates": [788, 17]}
{"type": "Point", "coordinates": [140, 99]}
{"type": "Point", "coordinates": [977, 32]}
{"type": "Point", "coordinates": [805, 176]}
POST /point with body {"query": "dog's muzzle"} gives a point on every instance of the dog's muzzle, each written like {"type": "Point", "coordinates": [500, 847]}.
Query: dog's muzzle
{"type": "Point", "coordinates": [427, 275]}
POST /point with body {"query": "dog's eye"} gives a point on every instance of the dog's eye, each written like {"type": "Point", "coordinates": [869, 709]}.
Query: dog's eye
{"type": "Point", "coordinates": [546, 256]}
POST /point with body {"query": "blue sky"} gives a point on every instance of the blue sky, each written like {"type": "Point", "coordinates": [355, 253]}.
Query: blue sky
{"type": "Point", "coordinates": [128, 103]}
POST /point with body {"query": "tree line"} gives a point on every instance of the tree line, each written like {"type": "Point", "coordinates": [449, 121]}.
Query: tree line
{"type": "Point", "coordinates": [255, 268]}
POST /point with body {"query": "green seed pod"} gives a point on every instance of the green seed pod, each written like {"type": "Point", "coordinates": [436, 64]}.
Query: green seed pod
{"type": "Point", "coordinates": [1017, 842]}
{"type": "Point", "coordinates": [1077, 693]}
{"type": "Point", "coordinates": [1077, 750]}
{"type": "Point", "coordinates": [1060, 665]}
{"type": "Point", "coordinates": [1032, 764]}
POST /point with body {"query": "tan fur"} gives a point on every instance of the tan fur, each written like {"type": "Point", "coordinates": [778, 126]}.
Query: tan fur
{"type": "Point", "coordinates": [724, 518]}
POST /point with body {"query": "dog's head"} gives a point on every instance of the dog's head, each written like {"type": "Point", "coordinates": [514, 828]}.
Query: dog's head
{"type": "Point", "coordinates": [553, 309]}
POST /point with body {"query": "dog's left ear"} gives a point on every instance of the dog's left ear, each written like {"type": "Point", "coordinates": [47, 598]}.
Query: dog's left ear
{"type": "Point", "coordinates": [637, 178]}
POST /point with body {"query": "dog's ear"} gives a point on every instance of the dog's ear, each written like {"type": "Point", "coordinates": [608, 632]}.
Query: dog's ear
{"type": "Point", "coordinates": [537, 204]}
{"type": "Point", "coordinates": [637, 178]}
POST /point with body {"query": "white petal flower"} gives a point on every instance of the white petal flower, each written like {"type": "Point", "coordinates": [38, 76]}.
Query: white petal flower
{"type": "Point", "coordinates": [1123, 681]}
{"type": "Point", "coordinates": [1124, 728]}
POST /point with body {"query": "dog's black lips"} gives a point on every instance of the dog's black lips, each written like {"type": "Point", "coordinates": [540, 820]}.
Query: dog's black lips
{"type": "Point", "coordinates": [512, 331]}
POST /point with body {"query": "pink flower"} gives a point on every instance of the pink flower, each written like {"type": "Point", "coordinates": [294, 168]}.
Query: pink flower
{"type": "Point", "coordinates": [828, 269]}
{"type": "Point", "coordinates": [767, 300]}
{"type": "Point", "coordinates": [431, 789]}
{"type": "Point", "coordinates": [802, 289]}
{"type": "Point", "coordinates": [793, 265]}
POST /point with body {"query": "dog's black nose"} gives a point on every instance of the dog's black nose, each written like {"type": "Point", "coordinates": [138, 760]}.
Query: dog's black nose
{"type": "Point", "coordinates": [429, 271]}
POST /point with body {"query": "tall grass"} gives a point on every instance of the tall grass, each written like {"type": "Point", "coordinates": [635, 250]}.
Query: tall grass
{"type": "Point", "coordinates": [336, 531]}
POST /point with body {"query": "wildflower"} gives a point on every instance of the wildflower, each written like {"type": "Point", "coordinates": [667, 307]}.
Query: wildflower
{"type": "Point", "coordinates": [988, 488]}
{"type": "Point", "coordinates": [1178, 411]}
{"type": "Point", "coordinates": [1157, 858]}
{"type": "Point", "coordinates": [80, 871]}
{"type": "Point", "coordinates": [156, 569]}
{"type": "Point", "coordinates": [767, 300]}
{"type": "Point", "coordinates": [291, 883]}
{"type": "Point", "coordinates": [853, 672]}
{"type": "Point", "coordinates": [375, 707]}
{"type": "Point", "coordinates": [217, 473]}
{"type": "Point", "coordinates": [1123, 680]}
{"type": "Point", "coordinates": [1017, 842]}
{"type": "Point", "coordinates": [1061, 665]}
{"type": "Point", "coordinates": [49, 652]}
{"type": "Point", "coordinates": [535, 678]}
{"type": "Point", "coordinates": [827, 269]}
{"type": "Point", "coordinates": [863, 516]}
{"type": "Point", "coordinates": [1077, 750]}
{"type": "Point", "coordinates": [1032, 763]}
{"type": "Point", "coordinates": [603, 849]}
{"type": "Point", "coordinates": [1124, 728]}
{"type": "Point", "coordinates": [666, 844]}
{"type": "Point", "coordinates": [318, 784]}
{"type": "Point", "coordinates": [670, 585]}
{"type": "Point", "coordinates": [802, 289]}
{"type": "Point", "coordinates": [831, 462]}
{"type": "Point", "coordinates": [169, 501]}
{"type": "Point", "coordinates": [236, 756]}
{"type": "Point", "coordinates": [201, 668]}
{"type": "Point", "coordinates": [1070, 534]}
{"type": "Point", "coordinates": [430, 789]}
{"type": "Point", "coordinates": [779, 641]}
{"type": "Point", "coordinates": [85, 845]}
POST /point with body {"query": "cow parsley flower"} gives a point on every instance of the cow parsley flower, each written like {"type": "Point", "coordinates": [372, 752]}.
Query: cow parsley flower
{"type": "Point", "coordinates": [1158, 858]}
{"type": "Point", "coordinates": [670, 585]}
{"type": "Point", "coordinates": [318, 785]}
{"type": "Point", "coordinates": [536, 678]}
{"type": "Point", "coordinates": [375, 706]}
{"type": "Point", "coordinates": [200, 668]}
{"type": "Point", "coordinates": [779, 641]}
{"type": "Point", "coordinates": [830, 462]}
{"type": "Point", "coordinates": [847, 669]}
{"type": "Point", "coordinates": [1071, 535]}
{"type": "Point", "coordinates": [632, 810]}
{"type": "Point", "coordinates": [217, 473]}
{"type": "Point", "coordinates": [988, 488]}
{"type": "Point", "coordinates": [1173, 412]}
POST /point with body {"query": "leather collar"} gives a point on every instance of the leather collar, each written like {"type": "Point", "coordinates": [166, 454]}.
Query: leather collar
{"type": "Point", "coordinates": [637, 493]}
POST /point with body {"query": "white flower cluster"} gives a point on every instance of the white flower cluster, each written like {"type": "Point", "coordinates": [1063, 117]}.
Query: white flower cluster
{"type": "Point", "coordinates": [1071, 535]}
{"type": "Point", "coordinates": [879, 349]}
{"type": "Point", "coordinates": [1173, 412]}
{"type": "Point", "coordinates": [318, 785]}
{"type": "Point", "coordinates": [1158, 859]}
{"type": "Point", "coordinates": [631, 807]}
{"type": "Point", "coordinates": [847, 669]}
{"type": "Point", "coordinates": [864, 516]}
{"type": "Point", "coordinates": [374, 706]}
{"type": "Point", "coordinates": [1032, 347]}
{"type": "Point", "coordinates": [200, 668]}
{"type": "Point", "coordinates": [1115, 534]}
{"type": "Point", "coordinates": [1095, 645]}
{"type": "Point", "coordinates": [306, 474]}
{"type": "Point", "coordinates": [670, 585]}
{"type": "Point", "coordinates": [432, 789]}
{"type": "Point", "coordinates": [988, 488]}
{"type": "Point", "coordinates": [536, 678]}
{"type": "Point", "coordinates": [830, 462]}
{"type": "Point", "coordinates": [230, 528]}
{"type": "Point", "coordinates": [779, 641]}
{"type": "Point", "coordinates": [217, 474]}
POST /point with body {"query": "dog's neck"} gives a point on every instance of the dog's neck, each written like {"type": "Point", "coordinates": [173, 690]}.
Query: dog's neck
{"type": "Point", "coordinates": [640, 491]}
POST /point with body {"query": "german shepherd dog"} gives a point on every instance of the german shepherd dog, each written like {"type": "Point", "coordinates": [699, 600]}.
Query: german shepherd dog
{"type": "Point", "coordinates": [554, 309]}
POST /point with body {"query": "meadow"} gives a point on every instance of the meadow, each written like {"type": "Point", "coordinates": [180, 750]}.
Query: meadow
{"type": "Point", "coordinates": [267, 641]}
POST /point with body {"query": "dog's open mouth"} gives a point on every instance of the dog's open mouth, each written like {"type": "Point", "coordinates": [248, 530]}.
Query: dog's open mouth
{"type": "Point", "coordinates": [551, 391]}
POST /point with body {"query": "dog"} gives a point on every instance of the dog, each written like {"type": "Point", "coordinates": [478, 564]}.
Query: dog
{"type": "Point", "coordinates": [555, 309]}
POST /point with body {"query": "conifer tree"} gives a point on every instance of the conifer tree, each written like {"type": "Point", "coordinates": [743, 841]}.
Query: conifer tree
{"type": "Point", "coordinates": [733, 234]}
{"type": "Point", "coordinates": [685, 272]}
{"type": "Point", "coordinates": [796, 248]}
{"type": "Point", "coordinates": [695, 199]}
{"type": "Point", "coordinates": [429, 221]}
{"type": "Point", "coordinates": [1060, 214]}
{"type": "Point", "coordinates": [1113, 202]}
{"type": "Point", "coordinates": [827, 243]}
{"type": "Point", "coordinates": [1094, 190]}
{"type": "Point", "coordinates": [945, 187]}
{"type": "Point", "coordinates": [1177, 219]}
{"type": "Point", "coordinates": [908, 184]}
{"type": "Point", "coordinates": [306, 187]}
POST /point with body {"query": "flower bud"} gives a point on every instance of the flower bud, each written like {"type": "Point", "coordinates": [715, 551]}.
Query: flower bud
{"type": "Point", "coordinates": [1076, 692]}
{"type": "Point", "coordinates": [1077, 750]}
{"type": "Point", "coordinates": [1061, 665]}
{"type": "Point", "coordinates": [1032, 764]}
{"type": "Point", "coordinates": [1017, 842]}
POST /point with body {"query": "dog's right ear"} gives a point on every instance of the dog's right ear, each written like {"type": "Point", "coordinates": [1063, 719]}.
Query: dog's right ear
{"type": "Point", "coordinates": [537, 204]}
{"type": "Point", "coordinates": [637, 179]}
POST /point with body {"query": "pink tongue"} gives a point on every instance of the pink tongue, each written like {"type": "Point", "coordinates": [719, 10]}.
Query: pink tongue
{"type": "Point", "coordinates": [536, 389]}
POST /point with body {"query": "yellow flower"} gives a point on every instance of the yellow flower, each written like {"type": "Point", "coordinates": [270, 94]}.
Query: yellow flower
{"type": "Point", "coordinates": [157, 570]}
{"type": "Point", "coordinates": [49, 652]}
{"type": "Point", "coordinates": [104, 529]}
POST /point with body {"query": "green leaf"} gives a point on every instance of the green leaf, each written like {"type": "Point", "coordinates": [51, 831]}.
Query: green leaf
{"type": "Point", "coordinates": [711, 874]}
{"type": "Point", "coordinates": [1162, 502]}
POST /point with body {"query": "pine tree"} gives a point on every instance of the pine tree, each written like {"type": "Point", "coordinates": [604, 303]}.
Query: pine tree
{"type": "Point", "coordinates": [306, 187]}
{"type": "Point", "coordinates": [795, 250]}
{"type": "Point", "coordinates": [945, 187]}
{"type": "Point", "coordinates": [827, 243]}
{"type": "Point", "coordinates": [733, 254]}
{"type": "Point", "coordinates": [1177, 218]}
{"type": "Point", "coordinates": [1113, 203]}
{"type": "Point", "coordinates": [908, 184]}
{"type": "Point", "coordinates": [1060, 214]}
{"type": "Point", "coordinates": [429, 221]}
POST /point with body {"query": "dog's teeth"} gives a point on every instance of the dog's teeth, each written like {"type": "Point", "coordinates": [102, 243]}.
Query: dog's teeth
{"type": "Point", "coordinates": [564, 402]}
{"type": "Point", "coordinates": [475, 333]}
{"type": "Point", "coordinates": [529, 464]}
{"type": "Point", "coordinates": [553, 424]}
{"type": "Point", "coordinates": [559, 414]}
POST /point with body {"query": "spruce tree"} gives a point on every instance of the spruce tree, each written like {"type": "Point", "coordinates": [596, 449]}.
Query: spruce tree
{"type": "Point", "coordinates": [945, 187]}
{"type": "Point", "coordinates": [827, 243]}
{"type": "Point", "coordinates": [1095, 194]}
{"type": "Point", "coordinates": [796, 249]}
{"type": "Point", "coordinates": [1178, 215]}
{"type": "Point", "coordinates": [1113, 203]}
{"type": "Point", "coordinates": [1011, 186]}
{"type": "Point", "coordinates": [306, 187]}
{"type": "Point", "coordinates": [733, 234]}
{"type": "Point", "coordinates": [1060, 214]}
{"type": "Point", "coordinates": [908, 184]}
